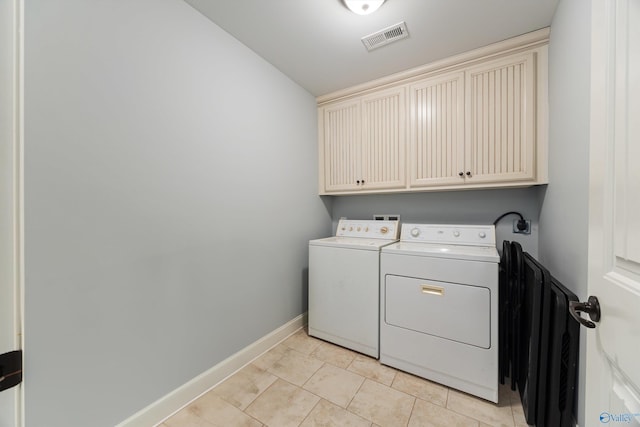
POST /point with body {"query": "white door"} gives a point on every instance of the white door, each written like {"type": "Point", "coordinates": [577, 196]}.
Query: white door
{"type": "Point", "coordinates": [613, 347]}
{"type": "Point", "coordinates": [10, 236]}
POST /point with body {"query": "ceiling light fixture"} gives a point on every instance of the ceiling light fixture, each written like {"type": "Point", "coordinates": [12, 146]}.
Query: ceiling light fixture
{"type": "Point", "coordinates": [363, 7]}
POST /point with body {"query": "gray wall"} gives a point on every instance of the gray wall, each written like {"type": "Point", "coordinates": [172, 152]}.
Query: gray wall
{"type": "Point", "coordinates": [563, 218]}
{"type": "Point", "coordinates": [452, 207]}
{"type": "Point", "coordinates": [166, 221]}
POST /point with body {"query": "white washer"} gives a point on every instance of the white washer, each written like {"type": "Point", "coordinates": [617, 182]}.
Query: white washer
{"type": "Point", "coordinates": [439, 306]}
{"type": "Point", "coordinates": [344, 284]}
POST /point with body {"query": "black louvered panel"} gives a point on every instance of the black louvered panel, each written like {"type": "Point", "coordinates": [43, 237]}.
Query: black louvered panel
{"type": "Point", "coordinates": [562, 360]}
{"type": "Point", "coordinates": [566, 359]}
{"type": "Point", "coordinates": [504, 325]}
{"type": "Point", "coordinates": [539, 344]}
{"type": "Point", "coordinates": [517, 292]}
{"type": "Point", "coordinates": [534, 332]}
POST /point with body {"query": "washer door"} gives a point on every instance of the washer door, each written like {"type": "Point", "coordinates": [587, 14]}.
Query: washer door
{"type": "Point", "coordinates": [451, 311]}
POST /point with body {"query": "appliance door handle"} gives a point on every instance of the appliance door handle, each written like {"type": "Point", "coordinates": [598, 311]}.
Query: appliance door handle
{"type": "Point", "coordinates": [432, 290]}
{"type": "Point", "coordinates": [591, 307]}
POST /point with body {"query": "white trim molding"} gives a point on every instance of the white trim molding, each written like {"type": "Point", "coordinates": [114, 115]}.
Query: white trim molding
{"type": "Point", "coordinates": [506, 47]}
{"type": "Point", "coordinates": [168, 405]}
{"type": "Point", "coordinates": [12, 197]}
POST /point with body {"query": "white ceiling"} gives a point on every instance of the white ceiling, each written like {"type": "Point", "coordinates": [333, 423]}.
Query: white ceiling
{"type": "Point", "coordinates": [317, 42]}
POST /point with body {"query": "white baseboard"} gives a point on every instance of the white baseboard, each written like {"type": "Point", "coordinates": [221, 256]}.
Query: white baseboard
{"type": "Point", "coordinates": [166, 406]}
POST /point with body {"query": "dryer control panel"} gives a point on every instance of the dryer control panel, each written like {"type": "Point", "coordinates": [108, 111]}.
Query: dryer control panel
{"type": "Point", "coordinates": [371, 229]}
{"type": "Point", "coordinates": [470, 235]}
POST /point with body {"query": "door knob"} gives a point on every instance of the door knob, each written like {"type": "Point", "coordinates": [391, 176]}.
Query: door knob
{"type": "Point", "coordinates": [591, 307]}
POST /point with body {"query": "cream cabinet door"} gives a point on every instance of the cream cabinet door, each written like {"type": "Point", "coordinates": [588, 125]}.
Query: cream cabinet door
{"type": "Point", "coordinates": [362, 143]}
{"type": "Point", "coordinates": [437, 131]}
{"type": "Point", "coordinates": [341, 146]}
{"type": "Point", "coordinates": [383, 140]}
{"type": "Point", "coordinates": [500, 120]}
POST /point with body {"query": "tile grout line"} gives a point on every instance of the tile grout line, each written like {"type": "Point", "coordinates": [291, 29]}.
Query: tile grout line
{"type": "Point", "coordinates": [314, 407]}
{"type": "Point", "coordinates": [463, 414]}
{"type": "Point", "coordinates": [390, 386]}
{"type": "Point", "coordinates": [256, 398]}
{"type": "Point", "coordinates": [351, 361]}
{"type": "Point", "coordinates": [354, 396]}
{"type": "Point", "coordinates": [415, 400]}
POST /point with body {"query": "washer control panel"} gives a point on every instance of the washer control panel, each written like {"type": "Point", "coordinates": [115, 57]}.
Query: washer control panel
{"type": "Point", "coordinates": [372, 229]}
{"type": "Point", "coordinates": [471, 235]}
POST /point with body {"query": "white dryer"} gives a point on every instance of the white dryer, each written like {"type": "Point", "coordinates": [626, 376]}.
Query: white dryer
{"type": "Point", "coordinates": [344, 284]}
{"type": "Point", "coordinates": [439, 306]}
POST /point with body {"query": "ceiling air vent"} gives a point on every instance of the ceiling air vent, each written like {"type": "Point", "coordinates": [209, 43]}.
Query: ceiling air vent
{"type": "Point", "coordinates": [385, 36]}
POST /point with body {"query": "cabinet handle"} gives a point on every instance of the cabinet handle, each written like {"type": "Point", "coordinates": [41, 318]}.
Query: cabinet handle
{"type": "Point", "coordinates": [468, 173]}
{"type": "Point", "coordinates": [363, 182]}
{"type": "Point", "coordinates": [358, 182]}
{"type": "Point", "coordinates": [461, 173]}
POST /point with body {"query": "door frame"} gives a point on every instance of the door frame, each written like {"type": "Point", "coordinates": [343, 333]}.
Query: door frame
{"type": "Point", "coordinates": [12, 201]}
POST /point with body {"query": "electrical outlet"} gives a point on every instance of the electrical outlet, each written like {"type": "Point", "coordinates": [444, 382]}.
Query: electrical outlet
{"type": "Point", "coordinates": [525, 231]}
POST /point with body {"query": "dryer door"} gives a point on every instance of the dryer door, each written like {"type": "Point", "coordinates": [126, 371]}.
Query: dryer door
{"type": "Point", "coordinates": [451, 311]}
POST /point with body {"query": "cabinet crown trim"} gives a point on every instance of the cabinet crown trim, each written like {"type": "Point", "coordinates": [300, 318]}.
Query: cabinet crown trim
{"type": "Point", "coordinates": [524, 41]}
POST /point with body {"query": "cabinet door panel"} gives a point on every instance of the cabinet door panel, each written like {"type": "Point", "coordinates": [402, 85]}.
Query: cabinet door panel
{"type": "Point", "coordinates": [342, 146]}
{"type": "Point", "coordinates": [383, 140]}
{"type": "Point", "coordinates": [500, 120]}
{"type": "Point", "coordinates": [437, 135]}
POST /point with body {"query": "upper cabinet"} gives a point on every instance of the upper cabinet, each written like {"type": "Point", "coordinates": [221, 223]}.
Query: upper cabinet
{"type": "Point", "coordinates": [500, 120]}
{"type": "Point", "coordinates": [341, 148]}
{"type": "Point", "coordinates": [437, 152]}
{"type": "Point", "coordinates": [363, 143]}
{"type": "Point", "coordinates": [478, 120]}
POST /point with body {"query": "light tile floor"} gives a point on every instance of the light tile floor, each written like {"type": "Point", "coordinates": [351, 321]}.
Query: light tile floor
{"type": "Point", "coordinates": [308, 382]}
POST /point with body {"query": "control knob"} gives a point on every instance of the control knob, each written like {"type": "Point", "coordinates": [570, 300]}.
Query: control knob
{"type": "Point", "coordinates": [482, 234]}
{"type": "Point", "coordinates": [384, 230]}
{"type": "Point", "coordinates": [456, 233]}
{"type": "Point", "coordinates": [415, 232]}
